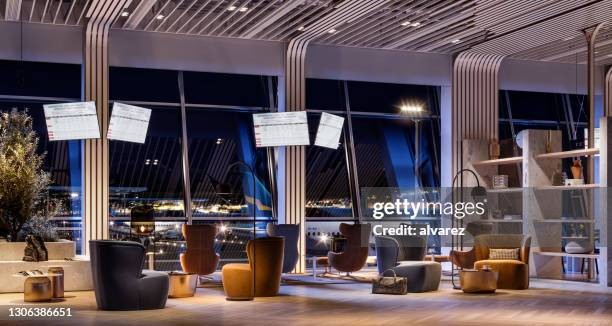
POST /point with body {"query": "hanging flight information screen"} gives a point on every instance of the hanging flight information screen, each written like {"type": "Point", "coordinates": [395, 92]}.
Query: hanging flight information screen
{"type": "Point", "coordinates": [330, 129]}
{"type": "Point", "coordinates": [281, 129]}
{"type": "Point", "coordinates": [69, 121]}
{"type": "Point", "coordinates": [129, 123]}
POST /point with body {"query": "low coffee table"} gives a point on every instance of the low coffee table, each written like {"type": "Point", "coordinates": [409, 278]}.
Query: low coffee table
{"type": "Point", "coordinates": [478, 281]}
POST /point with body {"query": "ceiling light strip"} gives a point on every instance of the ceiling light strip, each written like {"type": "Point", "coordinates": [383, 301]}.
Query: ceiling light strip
{"type": "Point", "coordinates": [373, 33]}
{"type": "Point", "coordinates": [157, 14]}
{"type": "Point", "coordinates": [267, 21]}
{"type": "Point", "coordinates": [255, 12]}
{"type": "Point", "coordinates": [44, 12]}
{"type": "Point", "coordinates": [168, 17]}
{"type": "Point", "coordinates": [558, 27]}
{"type": "Point", "coordinates": [174, 21]}
{"type": "Point", "coordinates": [59, 6]}
{"type": "Point", "coordinates": [208, 14]}
{"type": "Point", "coordinates": [220, 24]}
{"type": "Point", "coordinates": [433, 23]}
{"type": "Point", "coordinates": [197, 12]}
{"type": "Point", "coordinates": [378, 22]}
{"type": "Point", "coordinates": [12, 10]}
{"type": "Point", "coordinates": [284, 31]}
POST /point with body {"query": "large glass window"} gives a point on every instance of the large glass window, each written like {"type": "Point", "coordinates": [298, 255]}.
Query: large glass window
{"type": "Point", "coordinates": [327, 185]}
{"type": "Point", "coordinates": [391, 149]}
{"type": "Point", "coordinates": [217, 155]}
{"type": "Point", "coordinates": [520, 110]}
{"type": "Point", "coordinates": [149, 177]}
{"type": "Point", "coordinates": [27, 86]}
{"type": "Point", "coordinates": [149, 173]}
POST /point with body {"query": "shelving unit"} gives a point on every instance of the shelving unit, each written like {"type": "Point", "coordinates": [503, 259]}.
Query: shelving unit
{"type": "Point", "coordinates": [567, 154]}
{"type": "Point", "coordinates": [577, 187]}
{"type": "Point", "coordinates": [565, 254]}
{"type": "Point", "coordinates": [500, 161]}
{"type": "Point", "coordinates": [552, 215]}
{"type": "Point", "coordinates": [563, 221]}
{"type": "Point", "coordinates": [505, 190]}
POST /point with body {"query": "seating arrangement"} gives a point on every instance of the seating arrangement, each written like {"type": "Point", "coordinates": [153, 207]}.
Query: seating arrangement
{"type": "Point", "coordinates": [355, 253]}
{"type": "Point", "coordinates": [261, 277]}
{"type": "Point", "coordinates": [119, 281]}
{"type": "Point", "coordinates": [513, 273]}
{"type": "Point", "coordinates": [291, 233]}
{"type": "Point", "coordinates": [200, 257]}
{"type": "Point", "coordinates": [404, 255]}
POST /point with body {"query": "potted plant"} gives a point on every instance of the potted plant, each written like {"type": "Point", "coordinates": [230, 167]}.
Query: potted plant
{"type": "Point", "coordinates": [24, 204]}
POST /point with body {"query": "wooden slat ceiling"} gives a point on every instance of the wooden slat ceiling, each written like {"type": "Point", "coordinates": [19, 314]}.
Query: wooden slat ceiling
{"type": "Point", "coordinates": [545, 30]}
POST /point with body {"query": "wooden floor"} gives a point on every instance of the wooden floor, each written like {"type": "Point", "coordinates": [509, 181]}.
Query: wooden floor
{"type": "Point", "coordinates": [545, 303]}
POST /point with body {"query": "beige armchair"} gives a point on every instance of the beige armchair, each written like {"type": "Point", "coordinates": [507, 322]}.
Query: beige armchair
{"type": "Point", "coordinates": [513, 273]}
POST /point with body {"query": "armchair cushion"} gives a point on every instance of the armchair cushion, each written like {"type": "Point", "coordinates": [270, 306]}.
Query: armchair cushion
{"type": "Point", "coordinates": [504, 254]}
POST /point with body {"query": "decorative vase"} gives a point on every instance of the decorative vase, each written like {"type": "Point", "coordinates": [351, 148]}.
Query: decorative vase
{"type": "Point", "coordinates": [577, 169]}
{"type": "Point", "coordinates": [494, 150]}
{"type": "Point", "coordinates": [578, 247]}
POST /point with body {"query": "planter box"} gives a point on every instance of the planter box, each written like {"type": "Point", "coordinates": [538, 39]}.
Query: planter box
{"type": "Point", "coordinates": [13, 251]}
{"type": "Point", "coordinates": [77, 273]}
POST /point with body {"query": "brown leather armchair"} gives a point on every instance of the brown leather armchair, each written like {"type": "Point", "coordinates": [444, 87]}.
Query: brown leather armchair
{"type": "Point", "coordinates": [200, 257]}
{"type": "Point", "coordinates": [355, 252]}
{"type": "Point", "coordinates": [266, 261]}
{"type": "Point", "coordinates": [513, 274]}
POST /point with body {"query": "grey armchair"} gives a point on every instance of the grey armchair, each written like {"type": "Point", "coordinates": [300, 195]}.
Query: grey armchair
{"type": "Point", "coordinates": [291, 233]}
{"type": "Point", "coordinates": [120, 283]}
{"type": "Point", "coordinates": [404, 255]}
{"type": "Point", "coordinates": [392, 250]}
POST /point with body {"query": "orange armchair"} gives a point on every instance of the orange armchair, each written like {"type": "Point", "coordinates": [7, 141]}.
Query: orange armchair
{"type": "Point", "coordinates": [355, 253]}
{"type": "Point", "coordinates": [265, 268]}
{"type": "Point", "coordinates": [200, 257]}
{"type": "Point", "coordinates": [513, 273]}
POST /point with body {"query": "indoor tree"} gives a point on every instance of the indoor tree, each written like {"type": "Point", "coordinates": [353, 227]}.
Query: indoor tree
{"type": "Point", "coordinates": [23, 182]}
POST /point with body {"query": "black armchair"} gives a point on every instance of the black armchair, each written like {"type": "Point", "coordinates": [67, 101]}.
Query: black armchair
{"type": "Point", "coordinates": [119, 280]}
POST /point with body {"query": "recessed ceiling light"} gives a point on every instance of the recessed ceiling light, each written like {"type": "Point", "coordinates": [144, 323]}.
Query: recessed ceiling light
{"type": "Point", "coordinates": [243, 9]}
{"type": "Point", "coordinates": [231, 8]}
{"type": "Point", "coordinates": [455, 41]}
{"type": "Point", "coordinates": [406, 23]}
{"type": "Point", "coordinates": [125, 14]}
{"type": "Point", "coordinates": [301, 28]}
{"type": "Point", "coordinates": [160, 16]}
{"type": "Point", "coordinates": [417, 24]}
{"type": "Point", "coordinates": [332, 31]}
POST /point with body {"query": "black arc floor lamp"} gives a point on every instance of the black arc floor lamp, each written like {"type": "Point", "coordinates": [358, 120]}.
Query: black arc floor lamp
{"type": "Point", "coordinates": [476, 192]}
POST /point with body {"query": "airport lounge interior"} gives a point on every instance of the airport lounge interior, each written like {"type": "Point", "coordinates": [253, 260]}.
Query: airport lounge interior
{"type": "Point", "coordinates": [305, 162]}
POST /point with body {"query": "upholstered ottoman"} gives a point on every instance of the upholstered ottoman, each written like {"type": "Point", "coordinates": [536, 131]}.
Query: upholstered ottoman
{"type": "Point", "coordinates": [238, 282]}
{"type": "Point", "coordinates": [423, 276]}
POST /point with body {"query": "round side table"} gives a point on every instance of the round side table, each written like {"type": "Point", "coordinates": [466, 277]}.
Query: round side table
{"type": "Point", "coordinates": [37, 288]}
{"type": "Point", "coordinates": [478, 281]}
{"type": "Point", "coordinates": [182, 285]}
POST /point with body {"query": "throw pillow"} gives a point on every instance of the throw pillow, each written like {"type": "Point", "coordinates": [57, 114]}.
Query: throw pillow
{"type": "Point", "coordinates": [504, 254]}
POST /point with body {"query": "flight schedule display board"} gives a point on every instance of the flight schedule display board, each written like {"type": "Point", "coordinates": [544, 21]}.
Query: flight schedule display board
{"type": "Point", "coordinates": [70, 121]}
{"type": "Point", "coordinates": [330, 129]}
{"type": "Point", "coordinates": [281, 129]}
{"type": "Point", "coordinates": [129, 123]}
